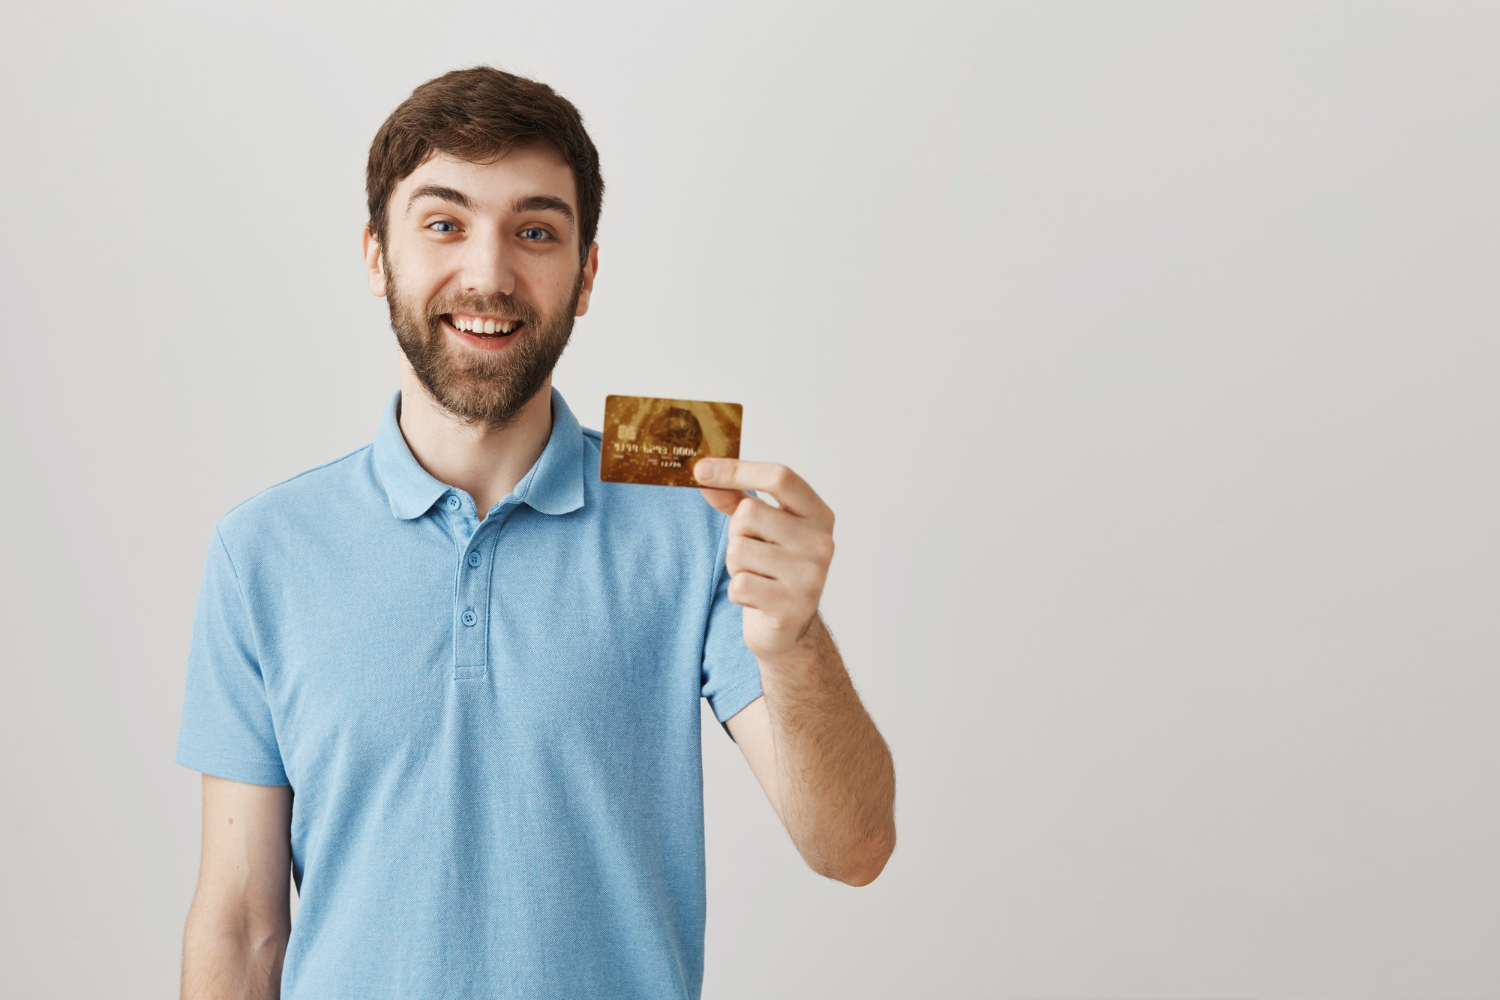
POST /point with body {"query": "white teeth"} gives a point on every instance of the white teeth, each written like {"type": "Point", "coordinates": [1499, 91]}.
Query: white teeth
{"type": "Point", "coordinates": [484, 325]}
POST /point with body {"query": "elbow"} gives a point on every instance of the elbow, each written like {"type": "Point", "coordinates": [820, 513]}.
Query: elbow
{"type": "Point", "coordinates": [869, 866]}
{"type": "Point", "coordinates": [863, 878]}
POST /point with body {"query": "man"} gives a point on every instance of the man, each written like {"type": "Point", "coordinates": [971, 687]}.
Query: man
{"type": "Point", "coordinates": [480, 667]}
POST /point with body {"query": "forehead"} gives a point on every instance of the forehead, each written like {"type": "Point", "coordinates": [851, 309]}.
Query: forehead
{"type": "Point", "coordinates": [537, 169]}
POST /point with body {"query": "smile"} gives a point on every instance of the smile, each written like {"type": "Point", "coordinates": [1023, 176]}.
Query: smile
{"type": "Point", "coordinates": [496, 341]}
{"type": "Point", "coordinates": [482, 326]}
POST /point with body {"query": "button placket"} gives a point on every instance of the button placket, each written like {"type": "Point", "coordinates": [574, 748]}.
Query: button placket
{"type": "Point", "coordinates": [470, 631]}
{"type": "Point", "coordinates": [471, 610]}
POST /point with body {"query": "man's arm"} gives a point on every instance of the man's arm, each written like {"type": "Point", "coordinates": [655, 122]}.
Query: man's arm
{"type": "Point", "coordinates": [240, 918]}
{"type": "Point", "coordinates": [823, 764]}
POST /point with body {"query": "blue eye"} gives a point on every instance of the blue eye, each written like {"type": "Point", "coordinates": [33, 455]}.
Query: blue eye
{"type": "Point", "coordinates": [440, 222]}
{"type": "Point", "coordinates": [535, 229]}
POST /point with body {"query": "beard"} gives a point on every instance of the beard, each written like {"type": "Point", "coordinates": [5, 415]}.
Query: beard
{"type": "Point", "coordinates": [480, 387]}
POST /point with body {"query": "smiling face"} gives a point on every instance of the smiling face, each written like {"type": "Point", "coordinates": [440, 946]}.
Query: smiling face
{"type": "Point", "coordinates": [475, 247]}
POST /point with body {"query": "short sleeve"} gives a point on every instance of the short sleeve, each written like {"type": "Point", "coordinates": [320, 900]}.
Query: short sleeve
{"type": "Point", "coordinates": [226, 726]}
{"type": "Point", "coordinates": [731, 674]}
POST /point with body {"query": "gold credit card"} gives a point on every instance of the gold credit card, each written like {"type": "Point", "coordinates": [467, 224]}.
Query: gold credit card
{"type": "Point", "coordinates": [657, 441]}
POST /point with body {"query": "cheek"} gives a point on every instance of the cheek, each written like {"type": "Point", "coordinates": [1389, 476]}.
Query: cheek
{"type": "Point", "coordinates": [416, 277]}
{"type": "Point", "coordinates": [418, 295]}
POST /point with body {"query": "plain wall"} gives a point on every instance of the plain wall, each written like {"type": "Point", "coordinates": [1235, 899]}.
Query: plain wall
{"type": "Point", "coordinates": [1146, 353]}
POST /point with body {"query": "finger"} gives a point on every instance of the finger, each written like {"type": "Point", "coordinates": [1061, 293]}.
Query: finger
{"type": "Point", "coordinates": [750, 590]}
{"type": "Point", "coordinates": [754, 517]}
{"type": "Point", "coordinates": [758, 519]}
{"type": "Point", "coordinates": [753, 555]}
{"type": "Point", "coordinates": [723, 501]}
{"type": "Point", "coordinates": [790, 490]}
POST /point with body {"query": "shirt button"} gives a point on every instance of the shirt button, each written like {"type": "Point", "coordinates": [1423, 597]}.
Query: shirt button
{"type": "Point", "coordinates": [454, 502]}
{"type": "Point", "coordinates": [473, 558]}
{"type": "Point", "coordinates": [469, 617]}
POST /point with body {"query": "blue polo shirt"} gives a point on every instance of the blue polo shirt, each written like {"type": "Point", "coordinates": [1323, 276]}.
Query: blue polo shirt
{"type": "Point", "coordinates": [492, 728]}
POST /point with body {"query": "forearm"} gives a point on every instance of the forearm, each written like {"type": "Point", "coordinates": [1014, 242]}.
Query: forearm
{"type": "Point", "coordinates": [220, 963]}
{"type": "Point", "coordinates": [835, 777]}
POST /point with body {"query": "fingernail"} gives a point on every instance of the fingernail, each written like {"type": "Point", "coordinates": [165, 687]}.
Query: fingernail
{"type": "Point", "coordinates": [706, 469]}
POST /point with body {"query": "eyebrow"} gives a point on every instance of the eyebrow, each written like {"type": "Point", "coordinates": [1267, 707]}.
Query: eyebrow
{"type": "Point", "coordinates": [525, 203]}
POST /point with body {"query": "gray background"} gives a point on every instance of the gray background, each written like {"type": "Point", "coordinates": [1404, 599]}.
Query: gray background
{"type": "Point", "coordinates": [1146, 353]}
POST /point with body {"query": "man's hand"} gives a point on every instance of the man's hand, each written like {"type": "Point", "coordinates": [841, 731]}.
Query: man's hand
{"type": "Point", "coordinates": [778, 557]}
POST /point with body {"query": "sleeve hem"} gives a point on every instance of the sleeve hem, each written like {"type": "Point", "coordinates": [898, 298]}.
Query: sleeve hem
{"type": "Point", "coordinates": [234, 768]}
{"type": "Point", "coordinates": [727, 703]}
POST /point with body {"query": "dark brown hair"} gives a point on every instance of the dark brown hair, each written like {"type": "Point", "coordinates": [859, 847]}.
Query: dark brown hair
{"type": "Point", "coordinates": [476, 114]}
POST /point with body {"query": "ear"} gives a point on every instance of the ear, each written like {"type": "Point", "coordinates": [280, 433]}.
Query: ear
{"type": "Point", "coordinates": [590, 268]}
{"type": "Point", "coordinates": [374, 261]}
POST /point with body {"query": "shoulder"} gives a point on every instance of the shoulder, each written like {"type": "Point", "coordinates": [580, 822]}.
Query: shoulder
{"type": "Point", "coordinates": [289, 501]}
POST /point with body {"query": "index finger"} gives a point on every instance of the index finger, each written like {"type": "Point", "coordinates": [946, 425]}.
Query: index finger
{"type": "Point", "coordinates": [791, 491]}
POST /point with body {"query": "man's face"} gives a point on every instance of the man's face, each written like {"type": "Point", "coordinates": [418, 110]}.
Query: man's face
{"type": "Point", "coordinates": [468, 242]}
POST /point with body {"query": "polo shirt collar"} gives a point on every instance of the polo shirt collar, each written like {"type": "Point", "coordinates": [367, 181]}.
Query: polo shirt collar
{"type": "Point", "coordinates": [553, 486]}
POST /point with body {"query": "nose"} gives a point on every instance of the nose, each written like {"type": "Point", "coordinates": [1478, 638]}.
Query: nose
{"type": "Point", "coordinates": [486, 267]}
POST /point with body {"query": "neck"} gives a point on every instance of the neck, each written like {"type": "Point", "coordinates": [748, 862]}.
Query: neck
{"type": "Point", "coordinates": [485, 462]}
